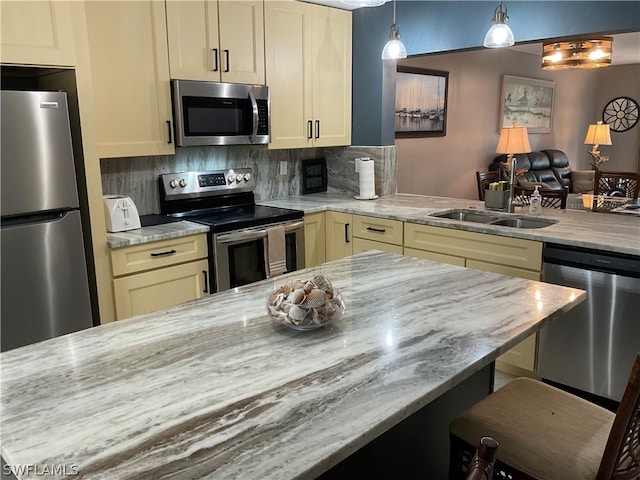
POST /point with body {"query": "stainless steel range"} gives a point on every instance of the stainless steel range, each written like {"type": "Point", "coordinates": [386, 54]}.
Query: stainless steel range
{"type": "Point", "coordinates": [224, 200]}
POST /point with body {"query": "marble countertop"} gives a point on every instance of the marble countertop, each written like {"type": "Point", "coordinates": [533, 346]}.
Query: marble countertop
{"type": "Point", "coordinates": [579, 228]}
{"type": "Point", "coordinates": [213, 389]}
{"type": "Point", "coordinates": [154, 233]}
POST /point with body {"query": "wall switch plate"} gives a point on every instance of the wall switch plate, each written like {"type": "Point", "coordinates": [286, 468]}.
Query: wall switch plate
{"type": "Point", "coordinates": [283, 167]}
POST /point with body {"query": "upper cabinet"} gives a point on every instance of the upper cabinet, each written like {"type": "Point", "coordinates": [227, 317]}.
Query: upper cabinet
{"type": "Point", "coordinates": [130, 76]}
{"type": "Point", "coordinates": [37, 33]}
{"type": "Point", "coordinates": [216, 40]}
{"type": "Point", "coordinates": [308, 70]}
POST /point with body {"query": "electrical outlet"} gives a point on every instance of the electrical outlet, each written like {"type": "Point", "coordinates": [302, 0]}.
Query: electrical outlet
{"type": "Point", "coordinates": [283, 168]}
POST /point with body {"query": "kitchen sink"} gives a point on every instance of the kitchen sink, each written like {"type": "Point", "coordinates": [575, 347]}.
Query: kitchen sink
{"type": "Point", "coordinates": [493, 218]}
{"type": "Point", "coordinates": [523, 222]}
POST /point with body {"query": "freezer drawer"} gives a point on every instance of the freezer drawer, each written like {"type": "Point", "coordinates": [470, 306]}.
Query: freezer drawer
{"type": "Point", "coordinates": [45, 291]}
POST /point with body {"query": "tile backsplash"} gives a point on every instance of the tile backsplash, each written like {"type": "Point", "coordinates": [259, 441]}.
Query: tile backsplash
{"type": "Point", "coordinates": [137, 177]}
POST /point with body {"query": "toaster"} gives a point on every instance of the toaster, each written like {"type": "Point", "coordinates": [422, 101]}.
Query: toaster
{"type": "Point", "coordinates": [120, 213]}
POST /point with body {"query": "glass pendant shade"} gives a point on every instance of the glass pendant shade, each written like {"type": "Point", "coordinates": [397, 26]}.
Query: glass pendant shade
{"type": "Point", "coordinates": [394, 48]}
{"type": "Point", "coordinates": [499, 35]}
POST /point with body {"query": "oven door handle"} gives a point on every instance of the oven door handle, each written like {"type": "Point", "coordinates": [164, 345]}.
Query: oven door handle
{"type": "Point", "coordinates": [253, 234]}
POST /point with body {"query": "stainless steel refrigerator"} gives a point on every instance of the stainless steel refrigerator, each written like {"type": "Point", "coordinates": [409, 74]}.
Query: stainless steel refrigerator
{"type": "Point", "coordinates": [45, 288]}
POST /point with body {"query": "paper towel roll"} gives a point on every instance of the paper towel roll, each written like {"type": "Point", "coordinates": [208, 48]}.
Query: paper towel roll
{"type": "Point", "coordinates": [367, 179]}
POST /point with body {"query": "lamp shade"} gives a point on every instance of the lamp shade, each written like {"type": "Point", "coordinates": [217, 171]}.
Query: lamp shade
{"type": "Point", "coordinates": [598, 134]}
{"type": "Point", "coordinates": [513, 140]}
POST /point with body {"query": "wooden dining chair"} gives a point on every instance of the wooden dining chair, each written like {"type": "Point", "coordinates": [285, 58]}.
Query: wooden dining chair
{"type": "Point", "coordinates": [551, 197]}
{"type": "Point", "coordinates": [481, 465]}
{"type": "Point", "coordinates": [546, 433]}
{"type": "Point", "coordinates": [621, 184]}
{"type": "Point", "coordinates": [484, 179]}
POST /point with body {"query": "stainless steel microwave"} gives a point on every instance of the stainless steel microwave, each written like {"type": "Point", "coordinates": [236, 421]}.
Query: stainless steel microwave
{"type": "Point", "coordinates": [212, 113]}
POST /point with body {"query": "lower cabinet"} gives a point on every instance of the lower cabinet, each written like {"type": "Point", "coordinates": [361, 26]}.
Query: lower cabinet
{"type": "Point", "coordinates": [157, 275]}
{"type": "Point", "coordinates": [314, 239]}
{"type": "Point", "coordinates": [339, 235]}
{"type": "Point", "coordinates": [370, 233]}
{"type": "Point", "coordinates": [492, 253]}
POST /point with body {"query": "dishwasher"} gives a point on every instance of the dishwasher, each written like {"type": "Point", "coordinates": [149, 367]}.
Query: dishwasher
{"type": "Point", "coordinates": [592, 347]}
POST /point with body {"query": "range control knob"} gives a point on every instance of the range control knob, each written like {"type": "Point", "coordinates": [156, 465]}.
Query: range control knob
{"type": "Point", "coordinates": [173, 184]}
{"type": "Point", "coordinates": [231, 176]}
{"type": "Point", "coordinates": [247, 177]}
{"type": "Point", "coordinates": [239, 177]}
{"type": "Point", "coordinates": [182, 182]}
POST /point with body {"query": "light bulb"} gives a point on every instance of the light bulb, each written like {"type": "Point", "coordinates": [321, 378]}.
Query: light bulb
{"type": "Point", "coordinates": [499, 35]}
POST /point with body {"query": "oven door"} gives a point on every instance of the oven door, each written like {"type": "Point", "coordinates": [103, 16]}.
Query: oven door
{"type": "Point", "coordinates": [238, 257]}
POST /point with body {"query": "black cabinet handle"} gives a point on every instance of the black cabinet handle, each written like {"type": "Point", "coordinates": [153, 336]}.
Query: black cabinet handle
{"type": "Point", "coordinates": [169, 131]}
{"type": "Point", "coordinates": [163, 254]}
{"type": "Point", "coordinates": [206, 281]}
{"type": "Point", "coordinates": [346, 233]}
{"type": "Point", "coordinates": [215, 59]}
{"type": "Point", "coordinates": [226, 56]}
{"type": "Point", "coordinates": [317, 128]}
{"type": "Point", "coordinates": [378, 230]}
{"type": "Point", "coordinates": [309, 130]}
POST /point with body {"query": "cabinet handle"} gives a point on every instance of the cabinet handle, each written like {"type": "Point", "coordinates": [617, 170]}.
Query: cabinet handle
{"type": "Point", "coordinates": [206, 281]}
{"type": "Point", "coordinates": [226, 56]}
{"type": "Point", "coordinates": [169, 131]}
{"type": "Point", "coordinates": [317, 128]}
{"type": "Point", "coordinates": [215, 59]}
{"type": "Point", "coordinates": [163, 254]}
{"type": "Point", "coordinates": [346, 233]}
{"type": "Point", "coordinates": [378, 230]}
{"type": "Point", "coordinates": [309, 130]}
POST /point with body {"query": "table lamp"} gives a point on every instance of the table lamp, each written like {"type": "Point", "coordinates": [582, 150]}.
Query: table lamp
{"type": "Point", "coordinates": [598, 134]}
{"type": "Point", "coordinates": [513, 140]}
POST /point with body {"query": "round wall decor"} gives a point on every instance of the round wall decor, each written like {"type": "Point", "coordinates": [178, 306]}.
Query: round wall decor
{"type": "Point", "coordinates": [621, 114]}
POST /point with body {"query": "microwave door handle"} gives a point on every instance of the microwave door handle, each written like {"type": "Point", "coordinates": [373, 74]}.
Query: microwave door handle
{"type": "Point", "coordinates": [256, 117]}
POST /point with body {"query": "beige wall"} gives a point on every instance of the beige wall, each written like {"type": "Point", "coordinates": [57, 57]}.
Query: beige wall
{"type": "Point", "coordinates": [446, 166]}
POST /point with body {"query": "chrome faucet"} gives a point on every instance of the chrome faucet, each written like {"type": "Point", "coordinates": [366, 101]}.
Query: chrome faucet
{"type": "Point", "coordinates": [511, 203]}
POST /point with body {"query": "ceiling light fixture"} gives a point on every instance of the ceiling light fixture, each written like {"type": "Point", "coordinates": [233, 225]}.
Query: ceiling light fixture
{"type": "Point", "coordinates": [394, 48]}
{"type": "Point", "coordinates": [579, 53]}
{"type": "Point", "coordinates": [363, 3]}
{"type": "Point", "coordinates": [499, 35]}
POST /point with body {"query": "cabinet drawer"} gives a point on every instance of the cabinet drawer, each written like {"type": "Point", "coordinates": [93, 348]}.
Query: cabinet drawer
{"type": "Point", "coordinates": [434, 257]}
{"type": "Point", "coordinates": [149, 291]}
{"type": "Point", "coordinates": [361, 245]}
{"type": "Point", "coordinates": [377, 229]}
{"type": "Point", "coordinates": [147, 256]}
{"type": "Point", "coordinates": [514, 252]}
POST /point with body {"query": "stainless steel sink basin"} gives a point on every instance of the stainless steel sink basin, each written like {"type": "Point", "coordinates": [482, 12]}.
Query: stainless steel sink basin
{"type": "Point", "coordinates": [467, 216]}
{"type": "Point", "coordinates": [494, 218]}
{"type": "Point", "coordinates": [523, 222]}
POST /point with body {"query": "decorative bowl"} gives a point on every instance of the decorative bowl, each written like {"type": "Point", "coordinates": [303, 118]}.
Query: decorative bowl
{"type": "Point", "coordinates": [305, 304]}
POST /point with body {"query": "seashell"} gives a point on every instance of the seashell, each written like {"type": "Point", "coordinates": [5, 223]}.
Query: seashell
{"type": "Point", "coordinates": [314, 298]}
{"type": "Point", "coordinates": [295, 284]}
{"type": "Point", "coordinates": [309, 286]}
{"type": "Point", "coordinates": [323, 283]}
{"type": "Point", "coordinates": [296, 296]}
{"type": "Point", "coordinates": [297, 314]}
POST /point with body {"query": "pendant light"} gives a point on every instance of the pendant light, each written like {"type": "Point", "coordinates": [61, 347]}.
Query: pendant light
{"type": "Point", "coordinates": [578, 53]}
{"type": "Point", "coordinates": [394, 48]}
{"type": "Point", "coordinates": [499, 35]}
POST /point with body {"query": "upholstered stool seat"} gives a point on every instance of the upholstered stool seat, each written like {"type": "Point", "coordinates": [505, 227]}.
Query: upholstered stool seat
{"type": "Point", "coordinates": [546, 432]}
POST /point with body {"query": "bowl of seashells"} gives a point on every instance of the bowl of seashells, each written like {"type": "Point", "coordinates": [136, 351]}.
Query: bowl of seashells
{"type": "Point", "coordinates": [306, 304]}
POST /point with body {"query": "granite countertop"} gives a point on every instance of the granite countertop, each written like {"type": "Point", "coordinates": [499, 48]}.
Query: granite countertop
{"type": "Point", "coordinates": [213, 389]}
{"type": "Point", "coordinates": [579, 228]}
{"type": "Point", "coordinates": [155, 233]}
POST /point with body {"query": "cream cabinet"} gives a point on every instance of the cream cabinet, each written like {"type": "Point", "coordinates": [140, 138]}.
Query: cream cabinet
{"type": "Point", "coordinates": [370, 233]}
{"type": "Point", "coordinates": [339, 235]}
{"type": "Point", "coordinates": [314, 239]}
{"type": "Point", "coordinates": [308, 70]}
{"type": "Point", "coordinates": [492, 253]}
{"type": "Point", "coordinates": [161, 274]}
{"type": "Point", "coordinates": [130, 77]}
{"type": "Point", "coordinates": [216, 40]}
{"type": "Point", "coordinates": [37, 33]}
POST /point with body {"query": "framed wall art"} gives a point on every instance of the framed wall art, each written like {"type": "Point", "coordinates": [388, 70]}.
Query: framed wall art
{"type": "Point", "coordinates": [421, 102]}
{"type": "Point", "coordinates": [527, 102]}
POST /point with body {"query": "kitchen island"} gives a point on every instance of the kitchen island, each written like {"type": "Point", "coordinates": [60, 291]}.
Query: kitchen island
{"type": "Point", "coordinates": [214, 389]}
